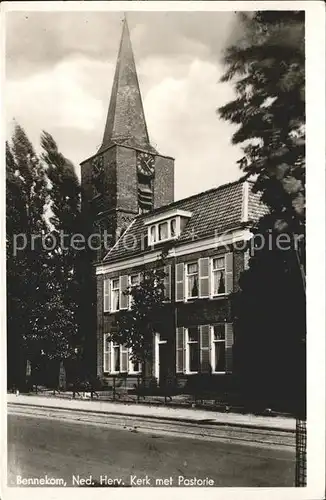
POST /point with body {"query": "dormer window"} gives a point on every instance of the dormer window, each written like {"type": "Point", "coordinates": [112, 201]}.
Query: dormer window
{"type": "Point", "coordinates": [152, 234]}
{"type": "Point", "coordinates": [173, 227]}
{"type": "Point", "coordinates": [166, 226]}
{"type": "Point", "coordinates": [163, 231]}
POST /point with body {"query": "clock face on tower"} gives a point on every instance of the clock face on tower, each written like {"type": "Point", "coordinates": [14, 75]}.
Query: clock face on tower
{"type": "Point", "coordinates": [145, 163]}
{"type": "Point", "coordinates": [98, 173]}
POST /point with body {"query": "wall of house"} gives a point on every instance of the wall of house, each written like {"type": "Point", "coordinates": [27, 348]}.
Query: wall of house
{"type": "Point", "coordinates": [191, 313]}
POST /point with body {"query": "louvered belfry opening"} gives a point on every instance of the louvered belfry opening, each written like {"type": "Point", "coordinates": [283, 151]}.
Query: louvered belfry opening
{"type": "Point", "coordinates": [145, 193]}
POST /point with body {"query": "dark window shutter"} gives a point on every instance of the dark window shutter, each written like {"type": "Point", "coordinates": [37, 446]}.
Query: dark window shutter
{"type": "Point", "coordinates": [106, 295]}
{"type": "Point", "coordinates": [228, 347]}
{"type": "Point", "coordinates": [180, 352]}
{"type": "Point", "coordinates": [167, 282]}
{"type": "Point", "coordinates": [179, 282]}
{"type": "Point", "coordinates": [229, 272]}
{"type": "Point", "coordinates": [124, 299]}
{"type": "Point", "coordinates": [205, 365]}
{"type": "Point", "coordinates": [203, 266]}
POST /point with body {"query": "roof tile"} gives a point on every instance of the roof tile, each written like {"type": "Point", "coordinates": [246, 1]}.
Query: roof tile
{"type": "Point", "coordinates": [213, 212]}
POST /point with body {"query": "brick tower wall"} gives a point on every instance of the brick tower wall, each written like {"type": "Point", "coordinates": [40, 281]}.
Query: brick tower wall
{"type": "Point", "coordinates": [163, 181]}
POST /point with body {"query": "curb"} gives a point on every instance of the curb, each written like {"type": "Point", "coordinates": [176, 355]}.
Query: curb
{"type": "Point", "coordinates": [161, 418]}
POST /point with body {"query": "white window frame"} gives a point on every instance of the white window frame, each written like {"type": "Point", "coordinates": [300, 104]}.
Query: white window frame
{"type": "Point", "coordinates": [152, 239]}
{"type": "Point", "coordinates": [129, 280]}
{"type": "Point", "coordinates": [213, 342]}
{"type": "Point", "coordinates": [165, 223]}
{"type": "Point", "coordinates": [111, 294]}
{"type": "Point", "coordinates": [114, 346]}
{"type": "Point", "coordinates": [212, 275]}
{"type": "Point", "coordinates": [186, 276]}
{"type": "Point", "coordinates": [176, 226]}
{"type": "Point", "coordinates": [187, 342]}
{"type": "Point", "coordinates": [156, 239]}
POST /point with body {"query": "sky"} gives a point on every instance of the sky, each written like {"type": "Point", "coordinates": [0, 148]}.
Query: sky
{"type": "Point", "coordinates": [59, 73]}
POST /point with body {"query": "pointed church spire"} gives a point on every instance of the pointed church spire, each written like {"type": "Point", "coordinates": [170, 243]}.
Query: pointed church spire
{"type": "Point", "coordinates": [125, 123]}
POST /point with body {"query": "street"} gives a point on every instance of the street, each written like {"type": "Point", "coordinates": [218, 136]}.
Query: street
{"type": "Point", "coordinates": [54, 452]}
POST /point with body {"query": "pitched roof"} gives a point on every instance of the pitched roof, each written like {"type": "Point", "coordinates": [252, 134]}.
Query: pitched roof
{"type": "Point", "coordinates": [213, 212]}
{"type": "Point", "coordinates": [126, 124]}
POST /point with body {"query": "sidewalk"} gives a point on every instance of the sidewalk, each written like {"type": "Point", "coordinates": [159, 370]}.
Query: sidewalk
{"type": "Point", "coordinates": [164, 412]}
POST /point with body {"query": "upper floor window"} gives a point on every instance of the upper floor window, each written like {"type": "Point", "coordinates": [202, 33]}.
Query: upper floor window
{"type": "Point", "coordinates": [192, 279]}
{"type": "Point", "coordinates": [205, 278]}
{"type": "Point", "coordinates": [134, 280]}
{"type": "Point", "coordinates": [218, 275]}
{"type": "Point", "coordinates": [115, 290]}
{"type": "Point", "coordinates": [115, 294]}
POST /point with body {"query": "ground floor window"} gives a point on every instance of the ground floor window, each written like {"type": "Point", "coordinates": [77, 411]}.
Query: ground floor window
{"type": "Point", "coordinates": [199, 349]}
{"type": "Point", "coordinates": [117, 359]}
{"type": "Point", "coordinates": [218, 348]}
{"type": "Point", "coordinates": [192, 349]}
{"type": "Point", "coordinates": [204, 348]}
{"type": "Point", "coordinates": [134, 366]}
{"type": "Point", "coordinates": [116, 355]}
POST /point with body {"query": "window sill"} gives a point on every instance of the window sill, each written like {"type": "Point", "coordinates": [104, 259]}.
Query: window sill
{"type": "Point", "coordinates": [213, 297]}
{"type": "Point", "coordinates": [121, 373]}
{"type": "Point", "coordinates": [118, 310]}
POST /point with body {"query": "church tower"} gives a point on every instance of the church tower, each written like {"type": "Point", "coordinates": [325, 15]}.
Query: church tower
{"type": "Point", "coordinates": [126, 176]}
